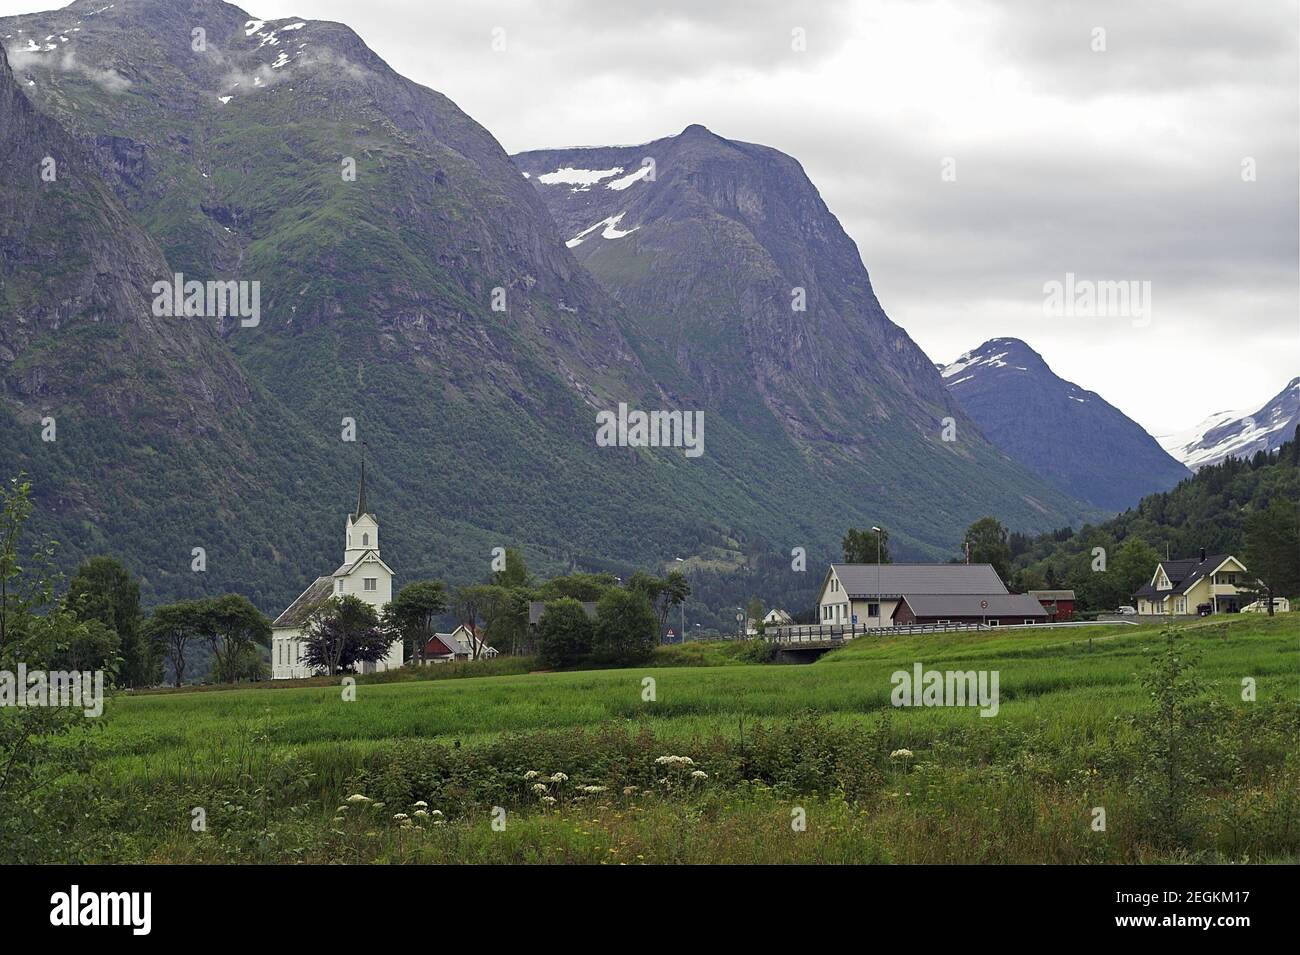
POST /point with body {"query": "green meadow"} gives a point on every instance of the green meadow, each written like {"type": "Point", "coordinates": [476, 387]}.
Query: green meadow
{"type": "Point", "coordinates": [1076, 729]}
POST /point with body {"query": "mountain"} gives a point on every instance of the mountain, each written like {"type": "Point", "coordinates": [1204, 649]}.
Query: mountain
{"type": "Point", "coordinates": [745, 295]}
{"type": "Point", "coordinates": [130, 424]}
{"type": "Point", "coordinates": [1072, 437]}
{"type": "Point", "coordinates": [1238, 433]}
{"type": "Point", "coordinates": [413, 282]}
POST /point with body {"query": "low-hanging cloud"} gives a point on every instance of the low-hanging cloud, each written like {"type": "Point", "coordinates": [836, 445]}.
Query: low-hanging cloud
{"type": "Point", "coordinates": [67, 62]}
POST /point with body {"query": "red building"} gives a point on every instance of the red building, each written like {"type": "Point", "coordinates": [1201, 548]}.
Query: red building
{"type": "Point", "coordinates": [1059, 604]}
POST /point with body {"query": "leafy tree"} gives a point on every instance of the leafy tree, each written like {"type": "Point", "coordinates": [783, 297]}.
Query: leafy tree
{"type": "Point", "coordinates": [412, 616]}
{"type": "Point", "coordinates": [1175, 737]}
{"type": "Point", "coordinates": [515, 573]}
{"type": "Point", "coordinates": [564, 633]}
{"type": "Point", "coordinates": [664, 593]}
{"type": "Point", "coordinates": [230, 625]}
{"type": "Point", "coordinates": [583, 587]}
{"type": "Point", "coordinates": [34, 751]}
{"type": "Point", "coordinates": [988, 545]}
{"type": "Point", "coordinates": [103, 589]}
{"type": "Point", "coordinates": [1272, 552]}
{"type": "Point", "coordinates": [345, 631]}
{"type": "Point", "coordinates": [94, 647]}
{"type": "Point", "coordinates": [247, 663]}
{"type": "Point", "coordinates": [507, 624]}
{"type": "Point", "coordinates": [171, 630]}
{"type": "Point", "coordinates": [475, 603]}
{"type": "Point", "coordinates": [860, 546]}
{"type": "Point", "coordinates": [1132, 565]}
{"type": "Point", "coordinates": [625, 628]}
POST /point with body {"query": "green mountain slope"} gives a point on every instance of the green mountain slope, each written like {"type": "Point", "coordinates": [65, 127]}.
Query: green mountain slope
{"type": "Point", "coordinates": [377, 296]}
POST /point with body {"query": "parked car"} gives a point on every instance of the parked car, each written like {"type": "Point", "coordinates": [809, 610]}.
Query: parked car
{"type": "Point", "coordinates": [1204, 610]}
{"type": "Point", "coordinates": [1126, 611]}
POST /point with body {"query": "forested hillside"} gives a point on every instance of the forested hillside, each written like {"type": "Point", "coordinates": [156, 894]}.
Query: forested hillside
{"type": "Point", "coordinates": [1208, 510]}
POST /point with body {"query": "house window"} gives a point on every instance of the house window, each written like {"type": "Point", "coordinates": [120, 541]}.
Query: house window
{"type": "Point", "coordinates": [873, 610]}
{"type": "Point", "coordinates": [1027, 620]}
{"type": "Point", "coordinates": [992, 623]}
{"type": "Point", "coordinates": [339, 588]}
{"type": "Point", "coordinates": [371, 583]}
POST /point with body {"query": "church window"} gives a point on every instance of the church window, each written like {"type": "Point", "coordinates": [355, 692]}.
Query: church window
{"type": "Point", "coordinates": [365, 540]}
{"type": "Point", "coordinates": [371, 583]}
{"type": "Point", "coordinates": [340, 586]}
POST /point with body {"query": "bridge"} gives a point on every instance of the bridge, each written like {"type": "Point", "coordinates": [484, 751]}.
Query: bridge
{"type": "Point", "coordinates": [803, 643]}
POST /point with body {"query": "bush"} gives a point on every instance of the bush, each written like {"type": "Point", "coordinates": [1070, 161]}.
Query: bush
{"type": "Point", "coordinates": [564, 634]}
{"type": "Point", "coordinates": [627, 631]}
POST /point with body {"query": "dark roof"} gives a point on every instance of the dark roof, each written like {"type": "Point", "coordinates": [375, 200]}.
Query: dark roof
{"type": "Point", "coordinates": [1183, 574]}
{"type": "Point", "coordinates": [1052, 594]}
{"type": "Point", "coordinates": [537, 607]}
{"type": "Point", "coordinates": [297, 612]}
{"type": "Point", "coordinates": [859, 580]}
{"type": "Point", "coordinates": [969, 605]}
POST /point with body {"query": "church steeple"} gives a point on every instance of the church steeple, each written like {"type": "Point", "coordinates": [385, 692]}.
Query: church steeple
{"type": "Point", "coordinates": [363, 527]}
{"type": "Point", "coordinates": [361, 490]}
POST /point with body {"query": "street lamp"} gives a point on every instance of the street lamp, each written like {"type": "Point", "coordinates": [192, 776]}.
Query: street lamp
{"type": "Point", "coordinates": [680, 561]}
{"type": "Point", "coordinates": [879, 534]}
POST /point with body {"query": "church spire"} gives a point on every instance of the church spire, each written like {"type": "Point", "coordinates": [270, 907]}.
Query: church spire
{"type": "Point", "coordinates": [361, 490]}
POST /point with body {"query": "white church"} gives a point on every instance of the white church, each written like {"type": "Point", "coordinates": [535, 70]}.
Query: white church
{"type": "Point", "coordinates": [362, 574]}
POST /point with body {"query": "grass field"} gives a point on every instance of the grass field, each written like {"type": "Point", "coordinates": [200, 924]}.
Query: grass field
{"type": "Point", "coordinates": [270, 767]}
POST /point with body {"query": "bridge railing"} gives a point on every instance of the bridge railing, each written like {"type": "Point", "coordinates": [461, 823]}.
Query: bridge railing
{"type": "Point", "coordinates": [823, 633]}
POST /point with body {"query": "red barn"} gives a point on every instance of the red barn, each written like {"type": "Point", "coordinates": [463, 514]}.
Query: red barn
{"type": "Point", "coordinates": [1059, 604]}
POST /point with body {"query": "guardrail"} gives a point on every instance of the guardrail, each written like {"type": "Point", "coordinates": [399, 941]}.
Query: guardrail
{"type": "Point", "coordinates": [818, 633]}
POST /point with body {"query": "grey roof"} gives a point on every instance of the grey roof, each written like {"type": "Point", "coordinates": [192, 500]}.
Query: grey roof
{"type": "Point", "coordinates": [859, 580]}
{"type": "Point", "coordinates": [538, 607]}
{"type": "Point", "coordinates": [1052, 594]}
{"type": "Point", "coordinates": [969, 605]}
{"type": "Point", "coordinates": [296, 614]}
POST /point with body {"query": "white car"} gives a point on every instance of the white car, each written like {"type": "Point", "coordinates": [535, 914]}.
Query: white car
{"type": "Point", "coordinates": [1126, 611]}
{"type": "Point", "coordinates": [1280, 605]}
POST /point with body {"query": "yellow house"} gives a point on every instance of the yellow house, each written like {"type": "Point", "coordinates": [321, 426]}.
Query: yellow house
{"type": "Point", "coordinates": [1188, 585]}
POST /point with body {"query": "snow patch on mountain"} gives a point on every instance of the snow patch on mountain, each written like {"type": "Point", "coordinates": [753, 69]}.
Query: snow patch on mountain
{"type": "Point", "coordinates": [581, 179]}
{"type": "Point", "coordinates": [1226, 434]}
{"type": "Point", "coordinates": [621, 184]}
{"type": "Point", "coordinates": [611, 230]}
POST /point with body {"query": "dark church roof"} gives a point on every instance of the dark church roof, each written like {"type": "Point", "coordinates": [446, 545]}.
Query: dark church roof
{"type": "Point", "coordinates": [307, 603]}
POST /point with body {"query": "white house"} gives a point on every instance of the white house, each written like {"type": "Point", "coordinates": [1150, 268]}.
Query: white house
{"type": "Point", "coordinates": [363, 574]}
{"type": "Point", "coordinates": [868, 595]}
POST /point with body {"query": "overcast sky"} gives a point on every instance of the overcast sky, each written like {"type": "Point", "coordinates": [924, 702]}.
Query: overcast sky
{"type": "Point", "coordinates": [1122, 164]}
